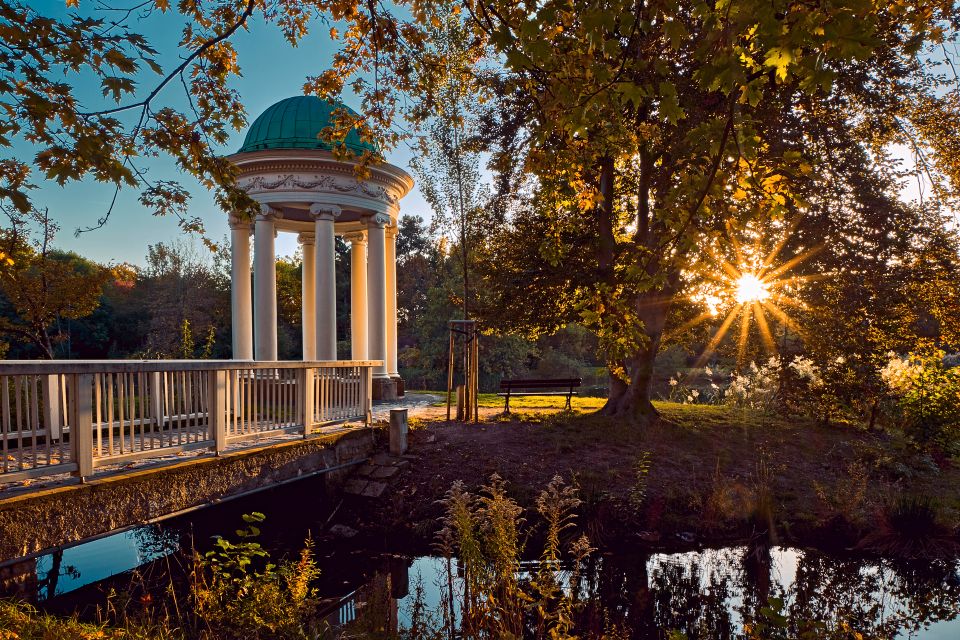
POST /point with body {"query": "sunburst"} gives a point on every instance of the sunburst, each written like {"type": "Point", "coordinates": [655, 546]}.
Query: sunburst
{"type": "Point", "coordinates": [750, 290]}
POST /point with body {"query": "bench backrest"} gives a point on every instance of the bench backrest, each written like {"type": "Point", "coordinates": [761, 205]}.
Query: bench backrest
{"type": "Point", "coordinates": [540, 383]}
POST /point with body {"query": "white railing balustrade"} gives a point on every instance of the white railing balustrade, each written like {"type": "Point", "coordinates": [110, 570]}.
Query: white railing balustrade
{"type": "Point", "coordinates": [73, 416]}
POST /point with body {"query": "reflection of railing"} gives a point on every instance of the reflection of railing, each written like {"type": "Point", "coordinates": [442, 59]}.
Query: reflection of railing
{"type": "Point", "coordinates": [73, 416]}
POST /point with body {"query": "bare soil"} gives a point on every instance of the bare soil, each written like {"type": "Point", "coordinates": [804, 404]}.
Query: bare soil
{"type": "Point", "coordinates": [715, 475]}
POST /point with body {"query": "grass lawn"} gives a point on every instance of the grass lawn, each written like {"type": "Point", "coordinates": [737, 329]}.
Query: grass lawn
{"type": "Point", "coordinates": [528, 408]}
{"type": "Point", "coordinates": [530, 403]}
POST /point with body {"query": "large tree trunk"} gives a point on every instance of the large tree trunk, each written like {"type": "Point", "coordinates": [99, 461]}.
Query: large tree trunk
{"type": "Point", "coordinates": [618, 389]}
{"type": "Point", "coordinates": [632, 400]}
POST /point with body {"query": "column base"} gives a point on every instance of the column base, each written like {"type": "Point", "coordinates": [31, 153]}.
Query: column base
{"type": "Point", "coordinates": [400, 387]}
{"type": "Point", "coordinates": [384, 389]}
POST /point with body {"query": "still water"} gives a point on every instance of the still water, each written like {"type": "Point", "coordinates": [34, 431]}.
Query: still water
{"type": "Point", "coordinates": [706, 593]}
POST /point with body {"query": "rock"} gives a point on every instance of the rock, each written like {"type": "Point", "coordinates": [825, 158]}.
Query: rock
{"type": "Point", "coordinates": [384, 472]}
{"type": "Point", "coordinates": [355, 486]}
{"type": "Point", "coordinates": [686, 536]}
{"type": "Point", "coordinates": [374, 489]}
{"type": "Point", "coordinates": [343, 531]}
{"type": "Point", "coordinates": [649, 536]}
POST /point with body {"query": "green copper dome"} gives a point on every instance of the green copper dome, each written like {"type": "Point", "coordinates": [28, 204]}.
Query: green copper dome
{"type": "Point", "coordinates": [294, 124]}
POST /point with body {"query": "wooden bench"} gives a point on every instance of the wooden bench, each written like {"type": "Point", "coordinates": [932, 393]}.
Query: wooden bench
{"type": "Point", "coordinates": [536, 388]}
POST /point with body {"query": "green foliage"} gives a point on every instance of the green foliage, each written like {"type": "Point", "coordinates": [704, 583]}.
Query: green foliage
{"type": "Point", "coordinates": [237, 592]}
{"type": "Point", "coordinates": [187, 345]}
{"type": "Point", "coordinates": [43, 289]}
{"type": "Point", "coordinates": [928, 395]}
{"type": "Point", "coordinates": [20, 621]}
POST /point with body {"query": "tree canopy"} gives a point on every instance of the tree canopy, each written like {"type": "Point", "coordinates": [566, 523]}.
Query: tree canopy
{"type": "Point", "coordinates": [637, 147]}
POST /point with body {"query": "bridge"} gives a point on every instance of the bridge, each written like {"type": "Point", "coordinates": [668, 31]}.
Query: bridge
{"type": "Point", "coordinates": [90, 447]}
{"type": "Point", "coordinates": [88, 417]}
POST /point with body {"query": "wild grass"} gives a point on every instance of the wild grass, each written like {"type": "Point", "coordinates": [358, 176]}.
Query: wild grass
{"type": "Point", "coordinates": [20, 621]}
{"type": "Point", "coordinates": [485, 592]}
{"type": "Point", "coordinates": [235, 591]}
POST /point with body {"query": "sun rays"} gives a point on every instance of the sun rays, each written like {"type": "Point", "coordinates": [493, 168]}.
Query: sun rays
{"type": "Point", "coordinates": [750, 288]}
{"type": "Point", "coordinates": [750, 292]}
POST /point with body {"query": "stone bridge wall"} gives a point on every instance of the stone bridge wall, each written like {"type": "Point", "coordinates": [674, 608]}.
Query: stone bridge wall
{"type": "Point", "coordinates": [52, 517]}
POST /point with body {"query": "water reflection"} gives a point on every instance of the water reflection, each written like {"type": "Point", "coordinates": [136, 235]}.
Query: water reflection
{"type": "Point", "coordinates": [66, 569]}
{"type": "Point", "coordinates": [710, 594]}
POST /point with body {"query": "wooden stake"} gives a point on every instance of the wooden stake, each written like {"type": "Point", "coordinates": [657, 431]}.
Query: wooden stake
{"type": "Point", "coordinates": [449, 373]}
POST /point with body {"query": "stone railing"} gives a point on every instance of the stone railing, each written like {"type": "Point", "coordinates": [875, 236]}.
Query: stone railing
{"type": "Point", "coordinates": [73, 416]}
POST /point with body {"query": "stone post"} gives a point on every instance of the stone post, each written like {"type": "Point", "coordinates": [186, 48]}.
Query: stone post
{"type": "Point", "coordinates": [398, 432]}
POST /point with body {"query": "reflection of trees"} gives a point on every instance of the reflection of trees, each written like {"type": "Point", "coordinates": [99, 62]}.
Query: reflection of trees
{"type": "Point", "coordinates": [692, 597]}
{"type": "Point", "coordinates": [877, 600]}
{"type": "Point", "coordinates": [831, 590]}
{"type": "Point", "coordinates": [649, 597]}
{"type": "Point", "coordinates": [47, 585]}
{"type": "Point", "coordinates": [155, 541]}
{"type": "Point", "coordinates": [927, 592]}
{"type": "Point", "coordinates": [701, 594]}
{"type": "Point", "coordinates": [711, 594]}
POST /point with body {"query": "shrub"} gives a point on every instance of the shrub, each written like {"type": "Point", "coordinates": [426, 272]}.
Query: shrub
{"type": "Point", "coordinates": [237, 592]}
{"type": "Point", "coordinates": [927, 391]}
{"type": "Point", "coordinates": [775, 385]}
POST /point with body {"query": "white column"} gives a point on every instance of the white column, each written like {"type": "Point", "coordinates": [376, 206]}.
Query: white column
{"type": "Point", "coordinates": [265, 284]}
{"type": "Point", "coordinates": [241, 311]}
{"type": "Point", "coordinates": [376, 292]}
{"type": "Point", "coordinates": [308, 317]}
{"type": "Point", "coordinates": [391, 259]}
{"type": "Point", "coordinates": [358, 295]}
{"type": "Point", "coordinates": [324, 216]}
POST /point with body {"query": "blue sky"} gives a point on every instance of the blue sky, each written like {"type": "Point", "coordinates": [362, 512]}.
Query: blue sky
{"type": "Point", "coordinates": [272, 70]}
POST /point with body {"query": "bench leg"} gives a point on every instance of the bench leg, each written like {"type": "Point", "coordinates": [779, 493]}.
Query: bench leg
{"type": "Point", "coordinates": [506, 406]}
{"type": "Point", "coordinates": [569, 395]}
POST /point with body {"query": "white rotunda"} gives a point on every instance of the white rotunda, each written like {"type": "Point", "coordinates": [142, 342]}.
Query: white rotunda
{"type": "Point", "coordinates": [303, 188]}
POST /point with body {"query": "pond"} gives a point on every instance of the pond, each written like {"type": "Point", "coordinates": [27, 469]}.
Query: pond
{"type": "Point", "coordinates": [705, 593]}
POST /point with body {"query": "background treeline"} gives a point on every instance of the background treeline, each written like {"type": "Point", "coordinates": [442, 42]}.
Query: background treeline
{"type": "Point", "coordinates": [57, 304]}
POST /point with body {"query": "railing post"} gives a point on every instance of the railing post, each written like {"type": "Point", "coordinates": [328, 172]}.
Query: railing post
{"type": "Point", "coordinates": [81, 423]}
{"type": "Point", "coordinates": [306, 398]}
{"type": "Point", "coordinates": [51, 405]}
{"type": "Point", "coordinates": [217, 419]}
{"type": "Point", "coordinates": [368, 395]}
{"type": "Point", "coordinates": [156, 399]}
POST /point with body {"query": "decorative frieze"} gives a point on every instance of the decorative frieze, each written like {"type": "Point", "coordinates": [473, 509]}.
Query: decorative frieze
{"type": "Point", "coordinates": [318, 183]}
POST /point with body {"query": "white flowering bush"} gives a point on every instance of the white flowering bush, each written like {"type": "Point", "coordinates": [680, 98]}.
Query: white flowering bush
{"type": "Point", "coordinates": [682, 390]}
{"type": "Point", "coordinates": [765, 387]}
{"type": "Point", "coordinates": [927, 390]}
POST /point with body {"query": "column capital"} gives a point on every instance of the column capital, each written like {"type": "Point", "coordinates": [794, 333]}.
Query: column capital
{"type": "Point", "coordinates": [269, 213]}
{"type": "Point", "coordinates": [391, 231]}
{"type": "Point", "coordinates": [356, 237]}
{"type": "Point", "coordinates": [306, 238]}
{"type": "Point", "coordinates": [378, 220]}
{"type": "Point", "coordinates": [321, 211]}
{"type": "Point", "coordinates": [238, 224]}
